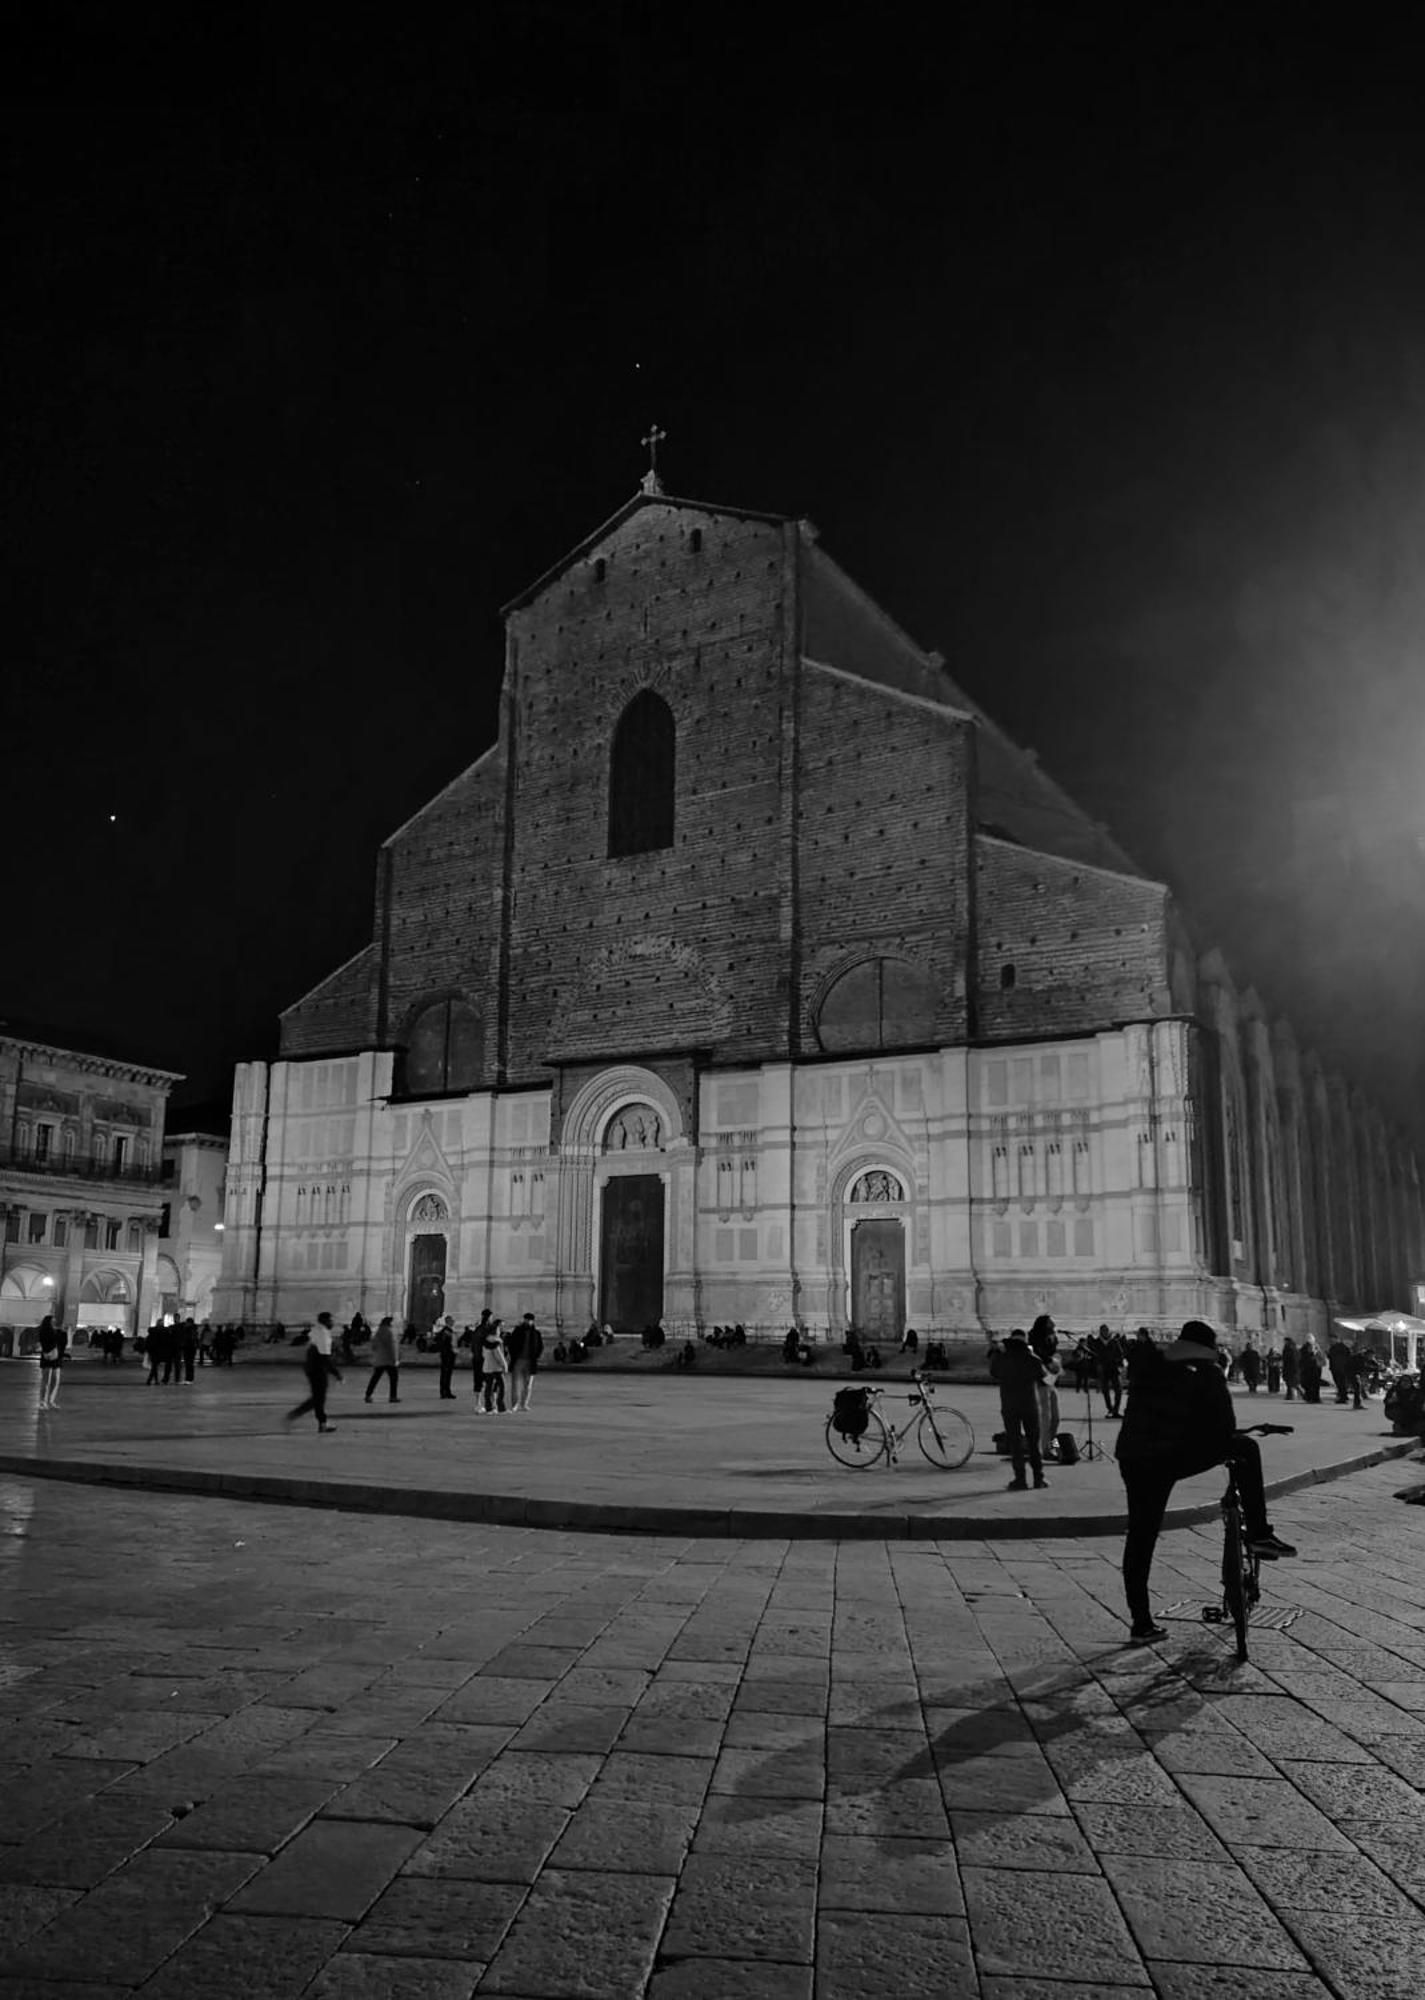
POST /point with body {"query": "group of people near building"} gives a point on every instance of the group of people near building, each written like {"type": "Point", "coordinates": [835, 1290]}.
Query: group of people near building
{"type": "Point", "coordinates": [504, 1361]}
{"type": "Point", "coordinates": [1299, 1369]}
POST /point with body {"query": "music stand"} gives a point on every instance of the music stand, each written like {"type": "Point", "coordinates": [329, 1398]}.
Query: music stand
{"type": "Point", "coordinates": [1089, 1451]}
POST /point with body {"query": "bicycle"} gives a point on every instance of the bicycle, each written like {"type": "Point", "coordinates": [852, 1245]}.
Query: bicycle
{"type": "Point", "coordinates": [1241, 1566]}
{"type": "Point", "coordinates": [944, 1435]}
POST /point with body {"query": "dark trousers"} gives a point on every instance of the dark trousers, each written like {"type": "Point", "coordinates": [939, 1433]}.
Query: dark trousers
{"type": "Point", "coordinates": [494, 1392]}
{"type": "Point", "coordinates": [1149, 1484]}
{"type": "Point", "coordinates": [1113, 1392]}
{"type": "Point", "coordinates": [1343, 1386]}
{"type": "Point", "coordinates": [1021, 1421]}
{"type": "Point", "coordinates": [376, 1374]}
{"type": "Point", "coordinates": [316, 1367]}
{"type": "Point", "coordinates": [447, 1374]}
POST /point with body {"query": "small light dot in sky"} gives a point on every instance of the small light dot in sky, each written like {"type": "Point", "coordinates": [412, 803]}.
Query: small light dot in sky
{"type": "Point", "coordinates": [113, 819]}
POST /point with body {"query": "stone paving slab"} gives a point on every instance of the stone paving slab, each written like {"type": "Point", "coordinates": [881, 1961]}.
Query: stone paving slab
{"type": "Point", "coordinates": [453, 1759]}
{"type": "Point", "coordinates": [745, 1457]}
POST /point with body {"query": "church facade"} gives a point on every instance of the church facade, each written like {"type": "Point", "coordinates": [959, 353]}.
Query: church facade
{"type": "Point", "coordinates": [754, 975]}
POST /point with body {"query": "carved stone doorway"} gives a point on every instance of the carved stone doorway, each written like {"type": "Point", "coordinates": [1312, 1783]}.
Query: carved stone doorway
{"type": "Point", "coordinates": [631, 1252]}
{"type": "Point", "coordinates": [878, 1280]}
{"type": "Point", "coordinates": [426, 1299]}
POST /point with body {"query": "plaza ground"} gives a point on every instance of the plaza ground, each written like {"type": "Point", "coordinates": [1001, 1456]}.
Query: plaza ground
{"type": "Point", "coordinates": [659, 1451]}
{"type": "Point", "coordinates": [256, 1751]}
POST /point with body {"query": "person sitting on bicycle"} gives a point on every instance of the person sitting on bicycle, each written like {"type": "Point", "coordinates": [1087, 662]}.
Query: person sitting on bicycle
{"type": "Point", "coordinates": [1179, 1422]}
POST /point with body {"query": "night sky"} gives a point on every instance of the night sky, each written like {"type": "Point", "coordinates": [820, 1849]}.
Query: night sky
{"type": "Point", "coordinates": [1099, 362]}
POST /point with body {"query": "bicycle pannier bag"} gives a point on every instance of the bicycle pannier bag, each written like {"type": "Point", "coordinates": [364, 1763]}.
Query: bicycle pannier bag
{"type": "Point", "coordinates": [1068, 1448]}
{"type": "Point", "coordinates": [848, 1412]}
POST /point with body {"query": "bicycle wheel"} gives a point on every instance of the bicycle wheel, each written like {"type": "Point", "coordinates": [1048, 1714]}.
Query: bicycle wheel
{"type": "Point", "coordinates": [863, 1452]}
{"type": "Point", "coordinates": [945, 1437]}
{"type": "Point", "coordinates": [1235, 1580]}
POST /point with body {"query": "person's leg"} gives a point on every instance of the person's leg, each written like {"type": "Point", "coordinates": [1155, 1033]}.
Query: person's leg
{"type": "Point", "coordinates": [395, 1375]}
{"type": "Point", "coordinates": [1015, 1428]}
{"type": "Point", "coordinates": [1246, 1456]}
{"type": "Point", "coordinates": [372, 1380]}
{"type": "Point", "coordinates": [1147, 1488]}
{"type": "Point", "coordinates": [500, 1397]}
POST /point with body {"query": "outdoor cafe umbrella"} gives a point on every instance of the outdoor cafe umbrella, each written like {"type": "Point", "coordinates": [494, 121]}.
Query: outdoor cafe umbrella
{"type": "Point", "coordinates": [1399, 1325]}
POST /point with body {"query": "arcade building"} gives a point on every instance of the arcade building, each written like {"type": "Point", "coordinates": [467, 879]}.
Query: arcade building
{"type": "Point", "coordinates": [754, 975]}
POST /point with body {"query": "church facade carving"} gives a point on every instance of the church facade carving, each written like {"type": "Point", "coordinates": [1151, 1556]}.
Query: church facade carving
{"type": "Point", "coordinates": [800, 993]}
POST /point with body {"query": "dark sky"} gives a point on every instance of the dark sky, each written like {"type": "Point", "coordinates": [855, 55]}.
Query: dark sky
{"type": "Point", "coordinates": [1099, 360]}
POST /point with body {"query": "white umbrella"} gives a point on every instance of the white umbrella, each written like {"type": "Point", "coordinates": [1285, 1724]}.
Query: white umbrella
{"type": "Point", "coordinates": [1399, 1325]}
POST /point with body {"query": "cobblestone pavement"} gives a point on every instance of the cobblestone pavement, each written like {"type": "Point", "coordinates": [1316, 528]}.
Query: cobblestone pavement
{"type": "Point", "coordinates": [259, 1752]}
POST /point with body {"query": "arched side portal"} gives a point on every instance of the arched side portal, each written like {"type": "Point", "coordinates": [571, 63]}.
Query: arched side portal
{"type": "Point", "coordinates": [869, 1288]}
{"type": "Point", "coordinates": [428, 1246]}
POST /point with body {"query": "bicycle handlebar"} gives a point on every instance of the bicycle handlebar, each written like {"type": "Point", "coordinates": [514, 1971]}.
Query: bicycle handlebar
{"type": "Point", "coordinates": [1268, 1430]}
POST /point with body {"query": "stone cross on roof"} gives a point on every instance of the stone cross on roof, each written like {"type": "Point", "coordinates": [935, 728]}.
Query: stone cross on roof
{"type": "Point", "coordinates": [651, 481]}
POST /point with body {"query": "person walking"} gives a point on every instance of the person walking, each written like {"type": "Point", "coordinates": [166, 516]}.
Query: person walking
{"type": "Point", "coordinates": [445, 1349]}
{"type": "Point", "coordinates": [1110, 1370]}
{"type": "Point", "coordinates": [319, 1366]}
{"type": "Point", "coordinates": [1019, 1375]}
{"type": "Point", "coordinates": [494, 1369]}
{"type": "Point", "coordinates": [1251, 1364]}
{"type": "Point", "coordinates": [1179, 1422]}
{"type": "Point", "coordinates": [1291, 1368]}
{"type": "Point", "coordinates": [54, 1345]}
{"type": "Point", "coordinates": [525, 1345]}
{"type": "Point", "coordinates": [385, 1360]}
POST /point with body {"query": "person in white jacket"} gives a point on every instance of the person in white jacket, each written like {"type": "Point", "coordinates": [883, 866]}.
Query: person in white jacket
{"type": "Point", "coordinates": [494, 1370]}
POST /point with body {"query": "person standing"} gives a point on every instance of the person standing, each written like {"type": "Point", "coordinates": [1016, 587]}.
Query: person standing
{"type": "Point", "coordinates": [1251, 1367]}
{"type": "Point", "coordinates": [525, 1345]}
{"type": "Point", "coordinates": [1291, 1368]}
{"type": "Point", "coordinates": [1019, 1373]}
{"type": "Point", "coordinates": [477, 1353]}
{"type": "Point", "coordinates": [1110, 1370]}
{"type": "Point", "coordinates": [385, 1360]}
{"type": "Point", "coordinates": [319, 1366]}
{"type": "Point", "coordinates": [188, 1347]}
{"type": "Point", "coordinates": [445, 1348]}
{"type": "Point", "coordinates": [494, 1369]}
{"type": "Point", "coordinates": [54, 1344]}
{"type": "Point", "coordinates": [1309, 1365]}
{"type": "Point", "coordinates": [1044, 1342]}
{"type": "Point", "coordinates": [1274, 1370]}
{"type": "Point", "coordinates": [1179, 1422]}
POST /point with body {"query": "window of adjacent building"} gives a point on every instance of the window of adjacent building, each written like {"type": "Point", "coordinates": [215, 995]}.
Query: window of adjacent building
{"type": "Point", "coordinates": [121, 1153]}
{"type": "Point", "coordinates": [91, 1233]}
{"type": "Point", "coordinates": [165, 1220]}
{"type": "Point", "coordinates": [68, 1142]}
{"type": "Point", "coordinates": [111, 1235]}
{"type": "Point", "coordinates": [12, 1225]}
{"type": "Point", "coordinates": [36, 1232]}
{"type": "Point", "coordinates": [643, 768]}
{"type": "Point", "coordinates": [442, 1049]}
{"type": "Point", "coordinates": [883, 1003]}
{"type": "Point", "coordinates": [61, 1232]}
{"type": "Point", "coordinates": [135, 1237]}
{"type": "Point", "coordinates": [44, 1139]}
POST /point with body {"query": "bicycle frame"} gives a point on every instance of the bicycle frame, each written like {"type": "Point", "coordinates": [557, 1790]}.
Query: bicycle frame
{"type": "Point", "coordinates": [948, 1449]}
{"type": "Point", "coordinates": [1241, 1566]}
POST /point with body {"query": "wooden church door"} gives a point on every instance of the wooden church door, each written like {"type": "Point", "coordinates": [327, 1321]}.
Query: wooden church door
{"type": "Point", "coordinates": [427, 1295]}
{"type": "Point", "coordinates": [631, 1252]}
{"type": "Point", "coordinates": [878, 1280]}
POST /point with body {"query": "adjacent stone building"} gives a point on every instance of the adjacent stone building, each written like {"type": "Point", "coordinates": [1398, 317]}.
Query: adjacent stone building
{"type": "Point", "coordinates": [81, 1139]}
{"type": "Point", "coordinates": [753, 974]}
{"type": "Point", "coordinates": [190, 1243]}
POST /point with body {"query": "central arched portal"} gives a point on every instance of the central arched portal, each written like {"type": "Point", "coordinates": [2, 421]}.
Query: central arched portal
{"type": "Point", "coordinates": [631, 1247]}
{"type": "Point", "coordinates": [877, 1254]}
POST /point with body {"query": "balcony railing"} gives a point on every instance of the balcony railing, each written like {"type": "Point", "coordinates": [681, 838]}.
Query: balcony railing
{"type": "Point", "coordinates": [78, 1166]}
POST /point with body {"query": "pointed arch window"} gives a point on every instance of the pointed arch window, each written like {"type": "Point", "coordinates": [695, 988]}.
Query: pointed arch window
{"type": "Point", "coordinates": [643, 769]}
{"type": "Point", "coordinates": [443, 1048]}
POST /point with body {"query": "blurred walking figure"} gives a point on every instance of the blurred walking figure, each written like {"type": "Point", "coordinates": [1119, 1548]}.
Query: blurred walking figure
{"type": "Point", "coordinates": [525, 1345]}
{"type": "Point", "coordinates": [384, 1360]}
{"type": "Point", "coordinates": [319, 1366]}
{"type": "Point", "coordinates": [494, 1369]}
{"type": "Point", "coordinates": [54, 1344]}
{"type": "Point", "coordinates": [1251, 1364]}
{"type": "Point", "coordinates": [1291, 1371]}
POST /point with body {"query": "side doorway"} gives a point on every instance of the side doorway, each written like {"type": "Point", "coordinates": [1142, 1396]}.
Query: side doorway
{"type": "Point", "coordinates": [425, 1300]}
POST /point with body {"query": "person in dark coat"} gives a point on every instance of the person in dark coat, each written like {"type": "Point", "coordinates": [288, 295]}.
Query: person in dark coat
{"type": "Point", "coordinates": [1291, 1368]}
{"type": "Point", "coordinates": [1179, 1422]}
{"type": "Point", "coordinates": [524, 1344]}
{"type": "Point", "coordinates": [1251, 1365]}
{"type": "Point", "coordinates": [477, 1349]}
{"type": "Point", "coordinates": [445, 1349]}
{"type": "Point", "coordinates": [1110, 1370]}
{"type": "Point", "coordinates": [1274, 1370]}
{"type": "Point", "coordinates": [188, 1347]}
{"type": "Point", "coordinates": [385, 1360]}
{"type": "Point", "coordinates": [1308, 1361]}
{"type": "Point", "coordinates": [1019, 1374]}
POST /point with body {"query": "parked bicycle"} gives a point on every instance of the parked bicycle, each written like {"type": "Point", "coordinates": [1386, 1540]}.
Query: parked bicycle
{"type": "Point", "coordinates": [858, 1435]}
{"type": "Point", "coordinates": [1241, 1565]}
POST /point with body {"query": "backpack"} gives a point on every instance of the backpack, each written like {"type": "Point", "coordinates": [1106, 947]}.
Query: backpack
{"type": "Point", "coordinates": [849, 1412]}
{"type": "Point", "coordinates": [1068, 1448]}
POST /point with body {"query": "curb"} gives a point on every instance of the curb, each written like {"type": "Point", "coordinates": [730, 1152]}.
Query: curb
{"type": "Point", "coordinates": [607, 1518]}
